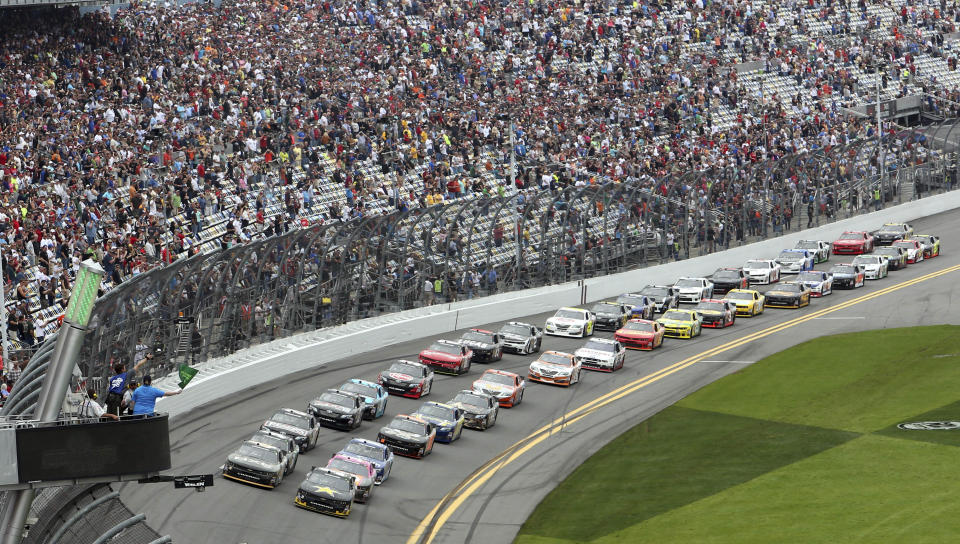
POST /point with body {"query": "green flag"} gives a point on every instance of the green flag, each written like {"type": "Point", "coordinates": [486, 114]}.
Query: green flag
{"type": "Point", "coordinates": [186, 374]}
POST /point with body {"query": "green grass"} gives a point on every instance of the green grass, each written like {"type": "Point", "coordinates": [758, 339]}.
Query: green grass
{"type": "Point", "coordinates": [801, 447]}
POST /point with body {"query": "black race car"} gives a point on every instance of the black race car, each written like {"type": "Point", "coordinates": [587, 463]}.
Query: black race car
{"type": "Point", "coordinates": [487, 346]}
{"type": "Point", "coordinates": [337, 409]}
{"type": "Point", "coordinates": [409, 436]}
{"type": "Point", "coordinates": [327, 491]}
{"type": "Point", "coordinates": [664, 297]}
{"type": "Point", "coordinates": [725, 279]}
{"type": "Point", "coordinates": [610, 315]}
{"type": "Point", "coordinates": [521, 338]}
{"type": "Point", "coordinates": [480, 410]}
{"type": "Point", "coordinates": [896, 256]}
{"type": "Point", "coordinates": [407, 379]}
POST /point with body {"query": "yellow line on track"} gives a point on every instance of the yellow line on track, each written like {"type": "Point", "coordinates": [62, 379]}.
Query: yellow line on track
{"type": "Point", "coordinates": [452, 501]}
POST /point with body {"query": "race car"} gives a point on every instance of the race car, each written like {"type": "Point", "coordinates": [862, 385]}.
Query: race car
{"type": "Point", "coordinates": [601, 354]}
{"type": "Point", "coordinates": [286, 445]}
{"type": "Point", "coordinates": [446, 357]}
{"type": "Point", "coordinates": [819, 248]}
{"type": "Point", "coordinates": [847, 276]}
{"type": "Point", "coordinates": [571, 322]}
{"type": "Point", "coordinates": [725, 279]}
{"type": "Point", "coordinates": [337, 409]}
{"type": "Point", "coordinates": [762, 271]}
{"type": "Point", "coordinates": [693, 290]}
{"type": "Point", "coordinates": [874, 266]}
{"type": "Point", "coordinates": [373, 395]}
{"type": "Point", "coordinates": [480, 410]}
{"type": "Point", "coordinates": [913, 248]}
{"type": "Point", "coordinates": [522, 338]}
{"type": "Point", "coordinates": [300, 426]}
{"type": "Point", "coordinates": [853, 243]}
{"type": "Point", "coordinates": [256, 464]}
{"type": "Point", "coordinates": [610, 315]}
{"type": "Point", "coordinates": [407, 379]}
{"type": "Point", "coordinates": [506, 387]}
{"type": "Point", "coordinates": [408, 436]}
{"type": "Point", "coordinates": [749, 302]}
{"type": "Point", "coordinates": [555, 367]}
{"type": "Point", "coordinates": [639, 305]}
{"type": "Point", "coordinates": [681, 323]}
{"type": "Point", "coordinates": [896, 256]}
{"type": "Point", "coordinates": [486, 346]}
{"type": "Point", "coordinates": [795, 261]}
{"type": "Point", "coordinates": [717, 314]}
{"type": "Point", "coordinates": [363, 471]}
{"type": "Point", "coordinates": [819, 282]}
{"type": "Point", "coordinates": [931, 244]}
{"type": "Point", "coordinates": [789, 294]}
{"type": "Point", "coordinates": [640, 334]}
{"type": "Point", "coordinates": [891, 232]}
{"type": "Point", "coordinates": [327, 492]}
{"type": "Point", "coordinates": [447, 419]}
{"type": "Point", "coordinates": [374, 452]}
{"type": "Point", "coordinates": [664, 297]}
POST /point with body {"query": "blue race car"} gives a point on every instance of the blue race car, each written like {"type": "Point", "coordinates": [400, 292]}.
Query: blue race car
{"type": "Point", "coordinates": [640, 306]}
{"type": "Point", "coordinates": [376, 453]}
{"type": "Point", "coordinates": [373, 396]}
{"type": "Point", "coordinates": [795, 261]}
{"type": "Point", "coordinates": [449, 420]}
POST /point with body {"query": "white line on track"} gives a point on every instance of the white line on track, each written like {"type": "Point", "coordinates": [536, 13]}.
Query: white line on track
{"type": "Point", "coordinates": [732, 362]}
{"type": "Point", "coordinates": [840, 318]}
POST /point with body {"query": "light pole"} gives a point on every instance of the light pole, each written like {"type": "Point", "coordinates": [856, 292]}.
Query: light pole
{"type": "Point", "coordinates": [55, 383]}
{"type": "Point", "coordinates": [3, 318]}
{"type": "Point", "coordinates": [880, 158]}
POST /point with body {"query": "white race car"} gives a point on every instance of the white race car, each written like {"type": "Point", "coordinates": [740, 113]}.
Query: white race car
{"type": "Point", "coordinates": [874, 266]}
{"type": "Point", "coordinates": [571, 322]}
{"type": "Point", "coordinates": [601, 354]}
{"type": "Point", "coordinates": [762, 271]}
{"type": "Point", "coordinates": [819, 248]}
{"type": "Point", "coordinates": [795, 261]}
{"type": "Point", "coordinates": [693, 290]}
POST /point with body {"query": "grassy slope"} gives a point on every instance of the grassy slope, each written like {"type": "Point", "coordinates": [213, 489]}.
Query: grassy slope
{"type": "Point", "coordinates": [771, 454]}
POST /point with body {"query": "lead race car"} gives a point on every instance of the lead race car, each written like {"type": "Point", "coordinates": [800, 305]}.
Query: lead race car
{"type": "Point", "coordinates": [571, 322]}
{"type": "Point", "coordinates": [875, 267]}
{"type": "Point", "coordinates": [601, 354]}
{"type": "Point", "coordinates": [930, 243]}
{"type": "Point", "coordinates": [300, 426]}
{"type": "Point", "coordinates": [487, 346]}
{"type": "Point", "coordinates": [522, 338]}
{"type": "Point", "coordinates": [764, 271]}
{"type": "Point", "coordinates": [480, 410]}
{"type": "Point", "coordinates": [664, 297]}
{"type": "Point", "coordinates": [446, 357]}
{"type": "Point", "coordinates": [256, 464]}
{"type": "Point", "coordinates": [337, 409]}
{"type": "Point", "coordinates": [373, 395]}
{"type": "Point", "coordinates": [407, 379]}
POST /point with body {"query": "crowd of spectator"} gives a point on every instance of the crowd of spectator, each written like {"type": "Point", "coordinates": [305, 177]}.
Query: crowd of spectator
{"type": "Point", "coordinates": [125, 138]}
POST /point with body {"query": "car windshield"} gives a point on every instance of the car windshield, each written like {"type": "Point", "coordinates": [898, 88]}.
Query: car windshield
{"type": "Point", "coordinates": [257, 452]}
{"type": "Point", "coordinates": [606, 309]}
{"type": "Point", "coordinates": [496, 377]}
{"type": "Point", "coordinates": [789, 288]}
{"type": "Point", "coordinates": [723, 275]}
{"type": "Point", "coordinates": [756, 265]}
{"type": "Point", "coordinates": [923, 239]}
{"type": "Point", "coordinates": [277, 442]}
{"type": "Point", "coordinates": [656, 292]}
{"type": "Point", "coordinates": [790, 255]}
{"type": "Point", "coordinates": [337, 398]}
{"type": "Point", "coordinates": [474, 336]}
{"type": "Point", "coordinates": [322, 479]}
{"type": "Point", "coordinates": [432, 410]}
{"type": "Point", "coordinates": [689, 282]}
{"type": "Point", "coordinates": [843, 270]}
{"type": "Point", "coordinates": [569, 314]}
{"type": "Point", "coordinates": [892, 228]}
{"type": "Point", "coordinates": [406, 368]}
{"type": "Point", "coordinates": [851, 236]}
{"type": "Point", "coordinates": [711, 306]}
{"type": "Point", "coordinates": [638, 326]}
{"type": "Point", "coordinates": [360, 389]}
{"type": "Point", "coordinates": [471, 400]}
{"type": "Point", "coordinates": [810, 276]}
{"type": "Point", "coordinates": [733, 295]}
{"type": "Point", "coordinates": [632, 300]}
{"type": "Point", "coordinates": [890, 251]}
{"type": "Point", "coordinates": [408, 425]}
{"type": "Point", "coordinates": [555, 359]}
{"type": "Point", "coordinates": [445, 348]}
{"type": "Point", "coordinates": [348, 466]}
{"type": "Point", "coordinates": [519, 330]}
{"type": "Point", "coordinates": [679, 316]}
{"type": "Point", "coordinates": [905, 244]}
{"type": "Point", "coordinates": [599, 346]}
{"type": "Point", "coordinates": [864, 259]}
{"type": "Point", "coordinates": [291, 419]}
{"type": "Point", "coordinates": [364, 450]}
{"type": "Point", "coordinates": [808, 244]}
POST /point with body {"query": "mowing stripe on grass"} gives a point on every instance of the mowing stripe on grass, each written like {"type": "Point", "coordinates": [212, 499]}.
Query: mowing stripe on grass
{"type": "Point", "coordinates": [428, 528]}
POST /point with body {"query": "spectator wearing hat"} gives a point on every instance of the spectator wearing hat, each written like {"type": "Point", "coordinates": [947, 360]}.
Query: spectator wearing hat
{"type": "Point", "coordinates": [145, 397]}
{"type": "Point", "coordinates": [91, 408]}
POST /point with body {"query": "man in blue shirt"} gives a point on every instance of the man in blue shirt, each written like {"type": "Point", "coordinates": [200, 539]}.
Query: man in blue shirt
{"type": "Point", "coordinates": [145, 397]}
{"type": "Point", "coordinates": [117, 384]}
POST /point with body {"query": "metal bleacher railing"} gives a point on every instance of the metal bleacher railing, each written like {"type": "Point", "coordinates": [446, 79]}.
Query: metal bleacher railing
{"type": "Point", "coordinates": [220, 301]}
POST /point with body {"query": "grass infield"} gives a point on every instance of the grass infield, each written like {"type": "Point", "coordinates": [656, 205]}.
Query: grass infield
{"type": "Point", "coordinates": [800, 447]}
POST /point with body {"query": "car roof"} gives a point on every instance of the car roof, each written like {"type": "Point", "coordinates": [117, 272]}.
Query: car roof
{"type": "Point", "coordinates": [682, 310]}
{"type": "Point", "coordinates": [641, 321]}
{"type": "Point", "coordinates": [572, 308]}
{"type": "Point", "coordinates": [711, 300]}
{"type": "Point", "coordinates": [411, 417]}
{"type": "Point", "coordinates": [730, 268]}
{"type": "Point", "coordinates": [347, 457]}
{"type": "Point", "coordinates": [414, 363]}
{"type": "Point", "coordinates": [498, 371]}
{"type": "Point", "coordinates": [260, 445]}
{"type": "Point", "coordinates": [603, 340]}
{"type": "Point", "coordinates": [292, 412]}
{"type": "Point", "coordinates": [630, 295]}
{"type": "Point", "coordinates": [484, 331]}
{"type": "Point", "coordinates": [751, 291]}
{"type": "Point", "coordinates": [435, 403]}
{"type": "Point", "coordinates": [336, 473]}
{"type": "Point", "coordinates": [446, 342]}
{"type": "Point", "coordinates": [271, 434]}
{"type": "Point", "coordinates": [362, 382]}
{"type": "Point", "coordinates": [560, 353]}
{"type": "Point", "coordinates": [610, 302]}
{"type": "Point", "coordinates": [520, 323]}
{"type": "Point", "coordinates": [368, 442]}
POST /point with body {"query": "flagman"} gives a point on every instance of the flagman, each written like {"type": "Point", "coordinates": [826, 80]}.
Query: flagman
{"type": "Point", "coordinates": [145, 397]}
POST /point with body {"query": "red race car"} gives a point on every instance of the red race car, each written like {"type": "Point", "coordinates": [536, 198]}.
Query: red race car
{"type": "Point", "coordinates": [640, 334]}
{"type": "Point", "coordinates": [447, 357]}
{"type": "Point", "coordinates": [853, 243]}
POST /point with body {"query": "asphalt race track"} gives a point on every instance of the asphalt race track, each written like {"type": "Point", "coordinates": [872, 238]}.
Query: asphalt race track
{"type": "Point", "coordinates": [558, 434]}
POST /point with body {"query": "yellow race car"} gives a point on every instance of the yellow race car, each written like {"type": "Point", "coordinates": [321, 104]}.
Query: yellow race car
{"type": "Point", "coordinates": [681, 323]}
{"type": "Point", "coordinates": [749, 302]}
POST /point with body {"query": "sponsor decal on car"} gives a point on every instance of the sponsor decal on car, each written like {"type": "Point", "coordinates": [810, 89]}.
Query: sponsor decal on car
{"type": "Point", "coordinates": [930, 426]}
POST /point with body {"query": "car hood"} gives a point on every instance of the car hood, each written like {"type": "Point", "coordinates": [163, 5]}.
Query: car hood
{"type": "Point", "coordinates": [594, 353]}
{"type": "Point", "coordinates": [674, 322]}
{"type": "Point", "coordinates": [315, 489]}
{"type": "Point", "coordinates": [710, 312]}
{"type": "Point", "coordinates": [639, 334]}
{"type": "Point", "coordinates": [550, 366]}
{"type": "Point", "coordinates": [611, 314]}
{"type": "Point", "coordinates": [285, 428]}
{"type": "Point", "coordinates": [777, 293]}
{"type": "Point", "coordinates": [492, 386]}
{"type": "Point", "coordinates": [403, 435]}
{"type": "Point", "coordinates": [375, 462]}
{"type": "Point", "coordinates": [439, 355]}
{"type": "Point", "coordinates": [757, 271]}
{"type": "Point", "coordinates": [514, 337]}
{"type": "Point", "coordinates": [849, 242]}
{"type": "Point", "coordinates": [439, 422]}
{"type": "Point", "coordinates": [690, 289]}
{"type": "Point", "coordinates": [397, 376]}
{"type": "Point", "coordinates": [253, 462]}
{"type": "Point", "coordinates": [362, 480]}
{"type": "Point", "coordinates": [843, 275]}
{"type": "Point", "coordinates": [566, 321]}
{"type": "Point", "coordinates": [324, 405]}
{"type": "Point", "coordinates": [471, 409]}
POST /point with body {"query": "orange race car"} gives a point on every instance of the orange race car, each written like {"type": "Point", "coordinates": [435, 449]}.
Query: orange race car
{"type": "Point", "coordinates": [640, 334]}
{"type": "Point", "coordinates": [555, 367]}
{"type": "Point", "coordinates": [506, 387]}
